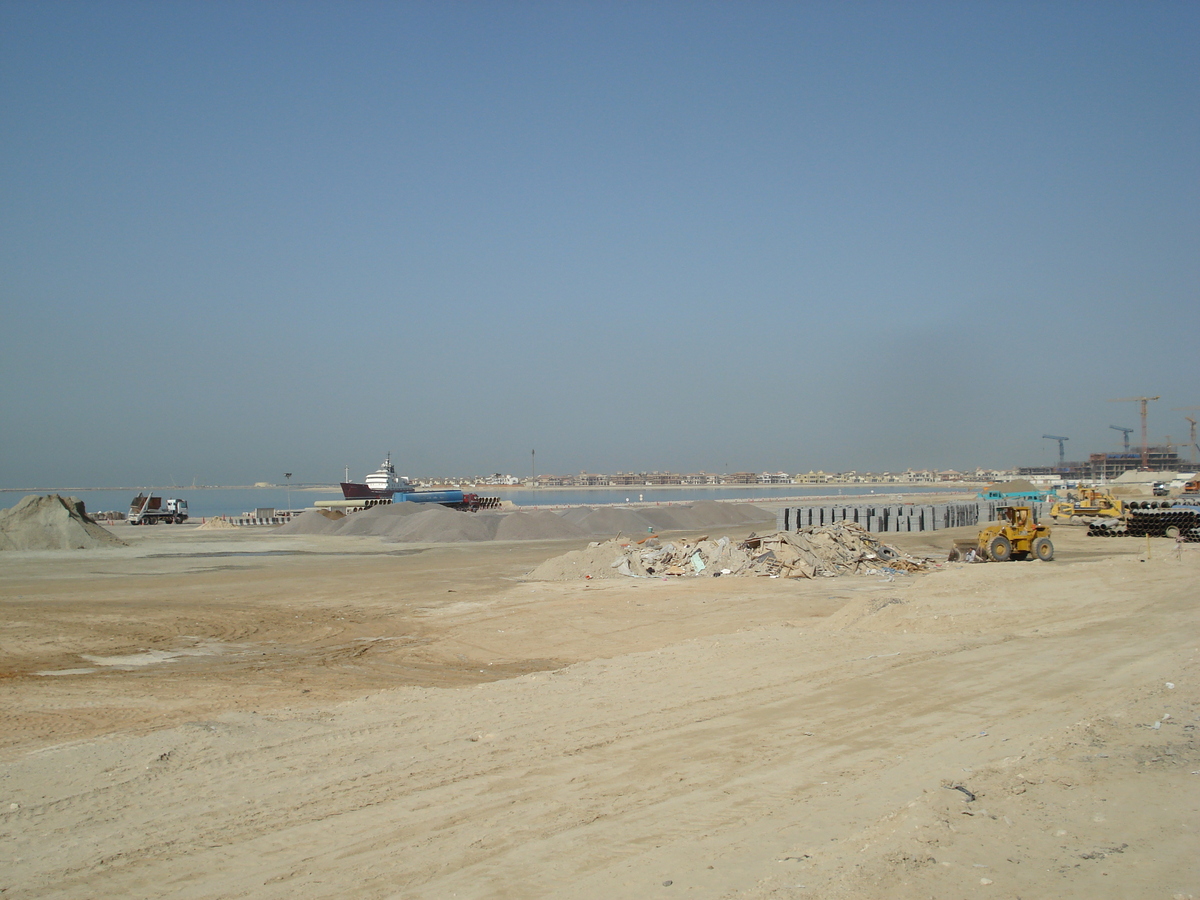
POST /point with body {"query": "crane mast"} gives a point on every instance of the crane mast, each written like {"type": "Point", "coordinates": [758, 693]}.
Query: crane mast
{"type": "Point", "coordinates": [1145, 442]}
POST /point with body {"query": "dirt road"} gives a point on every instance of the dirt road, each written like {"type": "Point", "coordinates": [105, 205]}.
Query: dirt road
{"type": "Point", "coordinates": [247, 716]}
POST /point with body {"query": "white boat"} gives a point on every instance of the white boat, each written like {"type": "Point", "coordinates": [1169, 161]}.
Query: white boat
{"type": "Point", "coordinates": [382, 483]}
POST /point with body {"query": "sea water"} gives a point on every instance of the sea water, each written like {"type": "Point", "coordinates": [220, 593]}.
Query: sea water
{"type": "Point", "coordinates": [204, 502]}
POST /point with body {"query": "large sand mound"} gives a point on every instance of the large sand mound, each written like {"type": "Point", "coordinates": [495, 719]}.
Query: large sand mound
{"type": "Point", "coordinates": [614, 519]}
{"type": "Point", "coordinates": [440, 524]}
{"type": "Point", "coordinates": [381, 520]}
{"type": "Point", "coordinates": [418, 522]}
{"type": "Point", "coordinates": [313, 521]}
{"type": "Point", "coordinates": [52, 522]}
{"type": "Point", "coordinates": [542, 525]}
{"type": "Point", "coordinates": [692, 517]}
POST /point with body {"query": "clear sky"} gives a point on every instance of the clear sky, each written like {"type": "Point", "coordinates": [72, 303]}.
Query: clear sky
{"type": "Point", "coordinates": [239, 239]}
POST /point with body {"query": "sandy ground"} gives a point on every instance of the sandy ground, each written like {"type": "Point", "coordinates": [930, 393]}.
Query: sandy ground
{"type": "Point", "coordinates": [214, 714]}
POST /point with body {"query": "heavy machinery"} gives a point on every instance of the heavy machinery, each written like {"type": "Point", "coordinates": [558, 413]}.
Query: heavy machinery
{"type": "Point", "coordinates": [1090, 504]}
{"type": "Point", "coordinates": [149, 509]}
{"type": "Point", "coordinates": [1015, 535]}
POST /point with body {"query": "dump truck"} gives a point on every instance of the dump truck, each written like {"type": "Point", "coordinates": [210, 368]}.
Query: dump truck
{"type": "Point", "coordinates": [150, 509]}
{"type": "Point", "coordinates": [1015, 535]}
{"type": "Point", "coordinates": [1089, 505]}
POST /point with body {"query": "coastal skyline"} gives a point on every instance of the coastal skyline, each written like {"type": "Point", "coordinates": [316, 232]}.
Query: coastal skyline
{"type": "Point", "coordinates": [754, 237]}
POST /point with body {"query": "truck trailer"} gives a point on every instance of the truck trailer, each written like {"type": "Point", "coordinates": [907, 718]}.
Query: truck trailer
{"type": "Point", "coordinates": [150, 509]}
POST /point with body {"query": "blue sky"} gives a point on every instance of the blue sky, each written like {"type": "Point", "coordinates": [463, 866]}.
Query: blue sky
{"type": "Point", "coordinates": [243, 239]}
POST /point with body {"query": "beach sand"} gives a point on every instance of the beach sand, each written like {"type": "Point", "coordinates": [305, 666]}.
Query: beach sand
{"type": "Point", "coordinates": [209, 714]}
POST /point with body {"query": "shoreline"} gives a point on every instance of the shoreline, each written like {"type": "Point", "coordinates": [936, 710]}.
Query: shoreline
{"type": "Point", "coordinates": [913, 488]}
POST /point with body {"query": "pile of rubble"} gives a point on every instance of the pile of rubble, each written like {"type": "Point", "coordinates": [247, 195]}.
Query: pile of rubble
{"type": "Point", "coordinates": [844, 548]}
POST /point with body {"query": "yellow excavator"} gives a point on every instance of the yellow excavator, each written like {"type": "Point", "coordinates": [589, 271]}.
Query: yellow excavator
{"type": "Point", "coordinates": [1089, 504]}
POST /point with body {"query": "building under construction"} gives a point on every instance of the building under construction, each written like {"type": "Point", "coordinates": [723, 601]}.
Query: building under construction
{"type": "Point", "coordinates": [1108, 466]}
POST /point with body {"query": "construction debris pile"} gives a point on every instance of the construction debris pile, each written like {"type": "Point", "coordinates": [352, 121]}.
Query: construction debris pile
{"type": "Point", "coordinates": [844, 548]}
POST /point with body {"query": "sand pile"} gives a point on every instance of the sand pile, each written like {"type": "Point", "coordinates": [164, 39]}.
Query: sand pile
{"type": "Point", "coordinates": [710, 514]}
{"type": "Point", "coordinates": [380, 520]}
{"type": "Point", "coordinates": [594, 561]}
{"type": "Point", "coordinates": [842, 549]}
{"type": "Point", "coordinates": [694, 517]}
{"type": "Point", "coordinates": [216, 524]}
{"type": "Point", "coordinates": [439, 524]}
{"type": "Point", "coordinates": [313, 521]}
{"type": "Point", "coordinates": [665, 518]}
{"type": "Point", "coordinates": [542, 525]}
{"type": "Point", "coordinates": [419, 522]}
{"type": "Point", "coordinates": [52, 522]}
{"type": "Point", "coordinates": [614, 519]}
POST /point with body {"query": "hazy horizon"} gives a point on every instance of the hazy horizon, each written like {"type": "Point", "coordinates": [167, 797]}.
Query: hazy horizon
{"type": "Point", "coordinates": [242, 240]}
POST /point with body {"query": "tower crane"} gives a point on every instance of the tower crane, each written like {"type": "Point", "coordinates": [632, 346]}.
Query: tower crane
{"type": "Point", "coordinates": [1192, 422]}
{"type": "Point", "coordinates": [1145, 445]}
{"type": "Point", "coordinates": [1127, 431]}
{"type": "Point", "coordinates": [1061, 452]}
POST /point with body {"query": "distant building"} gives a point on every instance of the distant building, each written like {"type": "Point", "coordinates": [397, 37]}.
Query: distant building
{"type": "Point", "coordinates": [661, 478]}
{"type": "Point", "coordinates": [740, 478]}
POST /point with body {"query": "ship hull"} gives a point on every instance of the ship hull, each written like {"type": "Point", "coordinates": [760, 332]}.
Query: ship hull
{"type": "Point", "coordinates": [353, 491]}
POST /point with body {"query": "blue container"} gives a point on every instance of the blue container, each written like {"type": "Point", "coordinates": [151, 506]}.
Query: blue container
{"type": "Point", "coordinates": [429, 497]}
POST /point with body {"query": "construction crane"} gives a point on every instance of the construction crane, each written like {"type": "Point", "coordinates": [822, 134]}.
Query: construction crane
{"type": "Point", "coordinates": [1127, 431]}
{"type": "Point", "coordinates": [1145, 444]}
{"type": "Point", "coordinates": [1192, 422]}
{"type": "Point", "coordinates": [1062, 455]}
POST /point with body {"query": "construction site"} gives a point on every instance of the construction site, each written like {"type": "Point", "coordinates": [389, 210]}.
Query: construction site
{"type": "Point", "coordinates": [1142, 457]}
{"type": "Point", "coordinates": [729, 700]}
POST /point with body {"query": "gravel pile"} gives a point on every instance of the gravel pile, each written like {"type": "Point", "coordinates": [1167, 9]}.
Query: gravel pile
{"type": "Point", "coordinates": [379, 520]}
{"type": "Point", "coordinates": [440, 525]}
{"type": "Point", "coordinates": [312, 521]}
{"type": "Point", "coordinates": [52, 522]}
{"type": "Point", "coordinates": [433, 523]}
{"type": "Point", "coordinates": [541, 525]}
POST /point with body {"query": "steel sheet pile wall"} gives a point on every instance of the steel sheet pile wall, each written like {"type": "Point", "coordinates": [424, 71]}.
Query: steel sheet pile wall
{"type": "Point", "coordinates": [905, 517]}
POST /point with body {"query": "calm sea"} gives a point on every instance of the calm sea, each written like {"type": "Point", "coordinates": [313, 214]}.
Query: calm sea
{"type": "Point", "coordinates": [207, 502]}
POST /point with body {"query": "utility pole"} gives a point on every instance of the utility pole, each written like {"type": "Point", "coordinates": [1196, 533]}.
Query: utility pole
{"type": "Point", "coordinates": [288, 476]}
{"type": "Point", "coordinates": [533, 464]}
{"type": "Point", "coordinates": [1145, 443]}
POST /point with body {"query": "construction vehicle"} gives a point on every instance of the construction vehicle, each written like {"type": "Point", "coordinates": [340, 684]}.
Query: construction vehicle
{"type": "Point", "coordinates": [1091, 503]}
{"type": "Point", "coordinates": [1015, 535]}
{"type": "Point", "coordinates": [150, 509]}
{"type": "Point", "coordinates": [1192, 487]}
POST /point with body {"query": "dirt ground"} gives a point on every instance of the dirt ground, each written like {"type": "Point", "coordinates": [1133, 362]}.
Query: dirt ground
{"type": "Point", "coordinates": [236, 714]}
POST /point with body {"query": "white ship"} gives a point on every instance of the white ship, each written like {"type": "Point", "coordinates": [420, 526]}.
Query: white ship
{"type": "Point", "coordinates": [381, 483]}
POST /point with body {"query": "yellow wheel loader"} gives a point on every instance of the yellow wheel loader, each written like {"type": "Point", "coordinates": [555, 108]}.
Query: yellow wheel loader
{"type": "Point", "coordinates": [1015, 535]}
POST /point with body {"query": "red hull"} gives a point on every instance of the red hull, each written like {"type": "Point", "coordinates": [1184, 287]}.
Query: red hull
{"type": "Point", "coordinates": [353, 491]}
